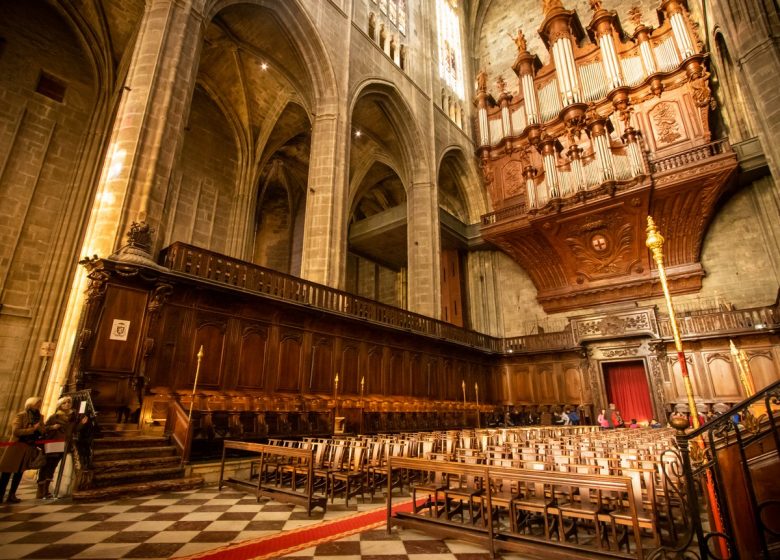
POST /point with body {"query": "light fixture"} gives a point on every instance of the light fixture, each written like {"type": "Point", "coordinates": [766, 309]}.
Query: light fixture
{"type": "Point", "coordinates": [358, 134]}
{"type": "Point", "coordinates": [263, 66]}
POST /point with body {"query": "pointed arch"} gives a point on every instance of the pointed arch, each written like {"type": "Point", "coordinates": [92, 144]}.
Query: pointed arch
{"type": "Point", "coordinates": [414, 160]}
{"type": "Point", "coordinates": [471, 192]}
{"type": "Point", "coordinates": [305, 37]}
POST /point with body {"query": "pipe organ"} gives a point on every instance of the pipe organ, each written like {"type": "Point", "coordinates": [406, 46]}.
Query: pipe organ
{"type": "Point", "coordinates": [612, 129]}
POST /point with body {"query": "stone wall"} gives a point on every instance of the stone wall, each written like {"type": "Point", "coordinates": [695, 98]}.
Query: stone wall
{"type": "Point", "coordinates": [201, 205]}
{"type": "Point", "coordinates": [48, 106]}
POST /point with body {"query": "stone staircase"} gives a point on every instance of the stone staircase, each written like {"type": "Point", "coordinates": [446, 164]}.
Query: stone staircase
{"type": "Point", "coordinates": [128, 463]}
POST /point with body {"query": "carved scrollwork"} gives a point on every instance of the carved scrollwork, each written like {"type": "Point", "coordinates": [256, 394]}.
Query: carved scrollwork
{"type": "Point", "coordinates": [159, 296]}
{"type": "Point", "coordinates": [666, 122]}
{"type": "Point", "coordinates": [620, 352]}
{"type": "Point", "coordinates": [699, 85]}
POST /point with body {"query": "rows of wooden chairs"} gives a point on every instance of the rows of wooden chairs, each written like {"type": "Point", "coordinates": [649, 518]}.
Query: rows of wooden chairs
{"type": "Point", "coordinates": [572, 510]}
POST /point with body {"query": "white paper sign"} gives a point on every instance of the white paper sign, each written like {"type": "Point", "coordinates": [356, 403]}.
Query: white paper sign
{"type": "Point", "coordinates": [119, 329]}
{"type": "Point", "coordinates": [82, 407]}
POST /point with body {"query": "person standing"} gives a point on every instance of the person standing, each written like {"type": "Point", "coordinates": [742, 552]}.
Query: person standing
{"type": "Point", "coordinates": [27, 427]}
{"type": "Point", "coordinates": [602, 420]}
{"type": "Point", "coordinates": [59, 427]}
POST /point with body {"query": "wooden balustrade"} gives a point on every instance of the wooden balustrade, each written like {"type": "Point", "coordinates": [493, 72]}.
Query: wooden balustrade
{"type": "Point", "coordinates": [694, 155]}
{"type": "Point", "coordinates": [179, 428]}
{"type": "Point", "coordinates": [723, 322]}
{"type": "Point", "coordinates": [214, 267]}
{"type": "Point", "coordinates": [561, 340]}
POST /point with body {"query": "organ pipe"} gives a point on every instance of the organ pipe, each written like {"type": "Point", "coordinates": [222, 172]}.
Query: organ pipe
{"type": "Point", "coordinates": [566, 71]}
{"type": "Point", "coordinates": [675, 11]}
{"type": "Point", "coordinates": [547, 149]}
{"type": "Point", "coordinates": [604, 156]}
{"type": "Point", "coordinates": [610, 60]}
{"type": "Point", "coordinates": [529, 173]}
{"type": "Point", "coordinates": [642, 36]}
{"type": "Point", "coordinates": [531, 103]}
{"type": "Point", "coordinates": [484, 131]}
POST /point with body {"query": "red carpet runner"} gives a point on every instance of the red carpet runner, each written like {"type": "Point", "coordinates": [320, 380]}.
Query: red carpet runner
{"type": "Point", "coordinates": [274, 546]}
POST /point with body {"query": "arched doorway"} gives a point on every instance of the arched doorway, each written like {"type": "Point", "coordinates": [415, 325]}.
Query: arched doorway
{"type": "Point", "coordinates": [627, 388]}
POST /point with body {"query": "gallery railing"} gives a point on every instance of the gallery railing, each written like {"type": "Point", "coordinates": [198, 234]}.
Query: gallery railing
{"type": "Point", "coordinates": [218, 268]}
{"type": "Point", "coordinates": [730, 490]}
{"type": "Point", "coordinates": [692, 156]}
{"type": "Point", "coordinates": [722, 322]}
{"type": "Point", "coordinates": [221, 269]}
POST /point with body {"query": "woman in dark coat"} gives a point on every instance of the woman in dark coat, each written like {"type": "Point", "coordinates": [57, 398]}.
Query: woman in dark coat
{"type": "Point", "coordinates": [27, 427]}
{"type": "Point", "coordinates": [59, 427]}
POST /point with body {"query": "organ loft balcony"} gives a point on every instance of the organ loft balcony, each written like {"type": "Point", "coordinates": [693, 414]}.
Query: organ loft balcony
{"type": "Point", "coordinates": [613, 129]}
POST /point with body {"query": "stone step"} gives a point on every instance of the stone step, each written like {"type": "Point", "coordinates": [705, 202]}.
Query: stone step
{"type": "Point", "coordinates": [137, 489]}
{"type": "Point", "coordinates": [102, 479]}
{"type": "Point", "coordinates": [113, 454]}
{"type": "Point", "coordinates": [132, 467]}
{"type": "Point", "coordinates": [119, 442]}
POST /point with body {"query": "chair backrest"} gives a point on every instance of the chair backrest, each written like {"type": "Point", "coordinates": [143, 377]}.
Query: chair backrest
{"type": "Point", "coordinates": [356, 458]}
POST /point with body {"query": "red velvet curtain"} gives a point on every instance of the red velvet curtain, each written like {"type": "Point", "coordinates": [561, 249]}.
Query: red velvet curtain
{"type": "Point", "coordinates": [627, 388]}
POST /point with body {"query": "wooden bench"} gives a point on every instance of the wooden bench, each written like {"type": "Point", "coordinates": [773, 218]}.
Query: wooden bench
{"type": "Point", "coordinates": [278, 488]}
{"type": "Point", "coordinates": [564, 505]}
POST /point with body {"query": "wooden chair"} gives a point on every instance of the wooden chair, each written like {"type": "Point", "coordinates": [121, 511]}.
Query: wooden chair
{"type": "Point", "coordinates": [351, 477]}
{"type": "Point", "coordinates": [532, 504]}
{"type": "Point", "coordinates": [640, 506]}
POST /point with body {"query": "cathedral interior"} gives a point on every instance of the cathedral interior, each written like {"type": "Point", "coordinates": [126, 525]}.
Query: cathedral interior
{"type": "Point", "coordinates": [247, 222]}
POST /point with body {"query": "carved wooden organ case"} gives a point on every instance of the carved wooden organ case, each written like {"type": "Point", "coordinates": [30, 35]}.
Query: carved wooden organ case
{"type": "Point", "coordinates": [613, 129]}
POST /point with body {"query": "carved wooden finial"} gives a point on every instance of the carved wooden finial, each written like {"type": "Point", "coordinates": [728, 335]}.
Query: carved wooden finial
{"type": "Point", "coordinates": [140, 236]}
{"type": "Point", "coordinates": [482, 81]}
{"type": "Point", "coordinates": [501, 83]}
{"type": "Point", "coordinates": [520, 42]}
{"type": "Point", "coordinates": [635, 15]}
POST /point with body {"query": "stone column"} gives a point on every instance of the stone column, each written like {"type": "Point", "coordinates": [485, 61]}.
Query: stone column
{"type": "Point", "coordinates": [149, 124]}
{"type": "Point", "coordinates": [423, 253]}
{"type": "Point", "coordinates": [144, 142]}
{"type": "Point", "coordinates": [753, 43]}
{"type": "Point", "coordinates": [325, 230]}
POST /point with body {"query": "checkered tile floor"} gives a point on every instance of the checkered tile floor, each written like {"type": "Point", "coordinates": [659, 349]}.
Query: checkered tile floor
{"type": "Point", "coordinates": [186, 523]}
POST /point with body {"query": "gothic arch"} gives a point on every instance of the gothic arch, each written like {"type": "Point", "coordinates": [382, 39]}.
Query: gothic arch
{"type": "Point", "coordinates": [305, 37]}
{"type": "Point", "coordinates": [471, 192]}
{"type": "Point", "coordinates": [414, 166]}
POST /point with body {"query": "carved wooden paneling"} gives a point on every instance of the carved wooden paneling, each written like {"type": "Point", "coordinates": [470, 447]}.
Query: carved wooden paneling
{"type": "Point", "coordinates": [699, 388]}
{"type": "Point", "coordinates": [444, 378]}
{"type": "Point", "coordinates": [396, 373]}
{"type": "Point", "coordinates": [288, 375]}
{"type": "Point", "coordinates": [763, 367]}
{"type": "Point", "coordinates": [722, 375]}
{"type": "Point", "coordinates": [171, 335]}
{"type": "Point", "coordinates": [115, 343]}
{"type": "Point", "coordinates": [374, 371]}
{"type": "Point", "coordinates": [210, 331]}
{"type": "Point", "coordinates": [572, 382]}
{"type": "Point", "coordinates": [417, 376]}
{"type": "Point", "coordinates": [350, 371]}
{"type": "Point", "coordinates": [322, 371]}
{"type": "Point", "coordinates": [543, 383]}
{"type": "Point", "coordinates": [523, 385]}
{"type": "Point", "coordinates": [460, 373]}
{"type": "Point", "coordinates": [252, 353]}
{"type": "Point", "coordinates": [667, 125]}
{"type": "Point", "coordinates": [431, 374]}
